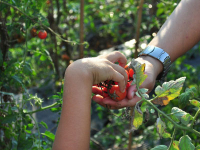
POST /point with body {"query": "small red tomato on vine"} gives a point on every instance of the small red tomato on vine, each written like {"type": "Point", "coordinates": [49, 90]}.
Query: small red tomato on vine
{"type": "Point", "coordinates": [42, 34]}
{"type": "Point", "coordinates": [116, 94]}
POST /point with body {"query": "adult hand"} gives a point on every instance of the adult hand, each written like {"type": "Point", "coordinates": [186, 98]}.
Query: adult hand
{"type": "Point", "coordinates": [152, 69]}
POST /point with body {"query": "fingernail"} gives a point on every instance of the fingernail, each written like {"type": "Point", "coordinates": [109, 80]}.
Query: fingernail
{"type": "Point", "coordinates": [132, 94]}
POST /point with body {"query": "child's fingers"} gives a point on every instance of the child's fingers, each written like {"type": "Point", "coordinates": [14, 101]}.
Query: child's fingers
{"type": "Point", "coordinates": [116, 57]}
{"type": "Point", "coordinates": [97, 90]}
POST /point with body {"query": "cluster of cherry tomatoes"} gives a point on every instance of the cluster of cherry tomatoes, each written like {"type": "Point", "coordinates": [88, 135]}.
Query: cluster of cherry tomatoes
{"type": "Point", "coordinates": [42, 34]}
{"type": "Point", "coordinates": [111, 88]}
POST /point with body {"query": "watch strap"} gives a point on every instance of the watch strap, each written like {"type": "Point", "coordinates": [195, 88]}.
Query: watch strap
{"type": "Point", "coordinates": [160, 55]}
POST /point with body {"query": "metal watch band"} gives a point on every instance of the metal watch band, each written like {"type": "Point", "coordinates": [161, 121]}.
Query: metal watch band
{"type": "Point", "coordinates": [160, 55]}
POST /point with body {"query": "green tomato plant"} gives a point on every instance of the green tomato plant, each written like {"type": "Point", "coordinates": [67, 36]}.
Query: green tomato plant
{"type": "Point", "coordinates": [178, 118]}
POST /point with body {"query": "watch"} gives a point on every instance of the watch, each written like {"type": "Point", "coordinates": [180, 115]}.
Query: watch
{"type": "Point", "coordinates": [160, 55]}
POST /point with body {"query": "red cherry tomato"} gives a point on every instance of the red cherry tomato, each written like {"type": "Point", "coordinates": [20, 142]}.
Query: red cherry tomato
{"type": "Point", "coordinates": [116, 94]}
{"type": "Point", "coordinates": [127, 74]}
{"type": "Point", "coordinates": [42, 34]}
{"type": "Point", "coordinates": [126, 67]}
{"type": "Point", "coordinates": [128, 85]}
{"type": "Point", "coordinates": [105, 92]}
{"type": "Point", "coordinates": [131, 73]}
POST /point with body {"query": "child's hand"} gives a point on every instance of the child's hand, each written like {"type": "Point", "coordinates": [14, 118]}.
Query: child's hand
{"type": "Point", "coordinates": [102, 68]}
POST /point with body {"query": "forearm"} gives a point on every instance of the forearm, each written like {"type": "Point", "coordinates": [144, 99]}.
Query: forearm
{"type": "Point", "coordinates": [73, 132]}
{"type": "Point", "coordinates": [181, 30]}
{"type": "Point", "coordinates": [178, 34]}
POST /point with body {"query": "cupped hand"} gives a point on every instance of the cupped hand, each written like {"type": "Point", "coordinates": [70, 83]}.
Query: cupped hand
{"type": "Point", "coordinates": [152, 69]}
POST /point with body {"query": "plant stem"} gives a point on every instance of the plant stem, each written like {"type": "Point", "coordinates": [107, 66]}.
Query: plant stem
{"type": "Point", "coordinates": [42, 108]}
{"type": "Point", "coordinates": [37, 129]}
{"type": "Point", "coordinates": [172, 140]}
{"type": "Point", "coordinates": [175, 124]}
{"type": "Point", "coordinates": [194, 119]}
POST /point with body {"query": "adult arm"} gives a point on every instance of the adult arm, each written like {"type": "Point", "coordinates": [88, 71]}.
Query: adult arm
{"type": "Point", "coordinates": [179, 34]}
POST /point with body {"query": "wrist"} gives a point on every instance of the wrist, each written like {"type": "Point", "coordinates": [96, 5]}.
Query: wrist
{"type": "Point", "coordinates": [152, 63]}
{"type": "Point", "coordinates": [160, 55]}
{"type": "Point", "coordinates": [79, 70]}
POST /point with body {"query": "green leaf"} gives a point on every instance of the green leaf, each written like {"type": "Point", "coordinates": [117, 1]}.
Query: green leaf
{"type": "Point", "coordinates": [139, 75]}
{"type": "Point", "coordinates": [195, 103]}
{"type": "Point", "coordinates": [184, 98]}
{"type": "Point", "coordinates": [185, 143]}
{"type": "Point", "coordinates": [49, 135]}
{"type": "Point", "coordinates": [168, 91]}
{"type": "Point", "coordinates": [25, 144]}
{"type": "Point", "coordinates": [30, 126]}
{"type": "Point", "coordinates": [43, 58]}
{"type": "Point", "coordinates": [160, 147]}
{"type": "Point", "coordinates": [44, 124]}
{"type": "Point", "coordinates": [137, 118]}
{"type": "Point", "coordinates": [174, 146]}
{"type": "Point", "coordinates": [8, 119]}
{"type": "Point", "coordinates": [161, 129]}
{"type": "Point", "coordinates": [198, 147]}
{"type": "Point", "coordinates": [185, 119]}
{"type": "Point", "coordinates": [144, 106]}
{"type": "Point", "coordinates": [166, 135]}
{"type": "Point", "coordinates": [181, 115]}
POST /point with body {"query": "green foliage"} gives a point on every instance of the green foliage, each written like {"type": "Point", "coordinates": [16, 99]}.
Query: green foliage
{"type": "Point", "coordinates": [31, 62]}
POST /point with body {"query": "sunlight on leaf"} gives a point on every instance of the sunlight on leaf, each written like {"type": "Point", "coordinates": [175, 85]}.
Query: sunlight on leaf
{"type": "Point", "coordinates": [174, 146]}
{"type": "Point", "coordinates": [160, 147]}
{"type": "Point", "coordinates": [139, 75]}
{"type": "Point", "coordinates": [195, 103]}
{"type": "Point", "coordinates": [168, 91]}
{"type": "Point", "coordinates": [161, 129]}
{"type": "Point", "coordinates": [137, 118]}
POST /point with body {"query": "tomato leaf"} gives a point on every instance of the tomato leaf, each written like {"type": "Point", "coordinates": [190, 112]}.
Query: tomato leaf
{"type": "Point", "coordinates": [181, 115]}
{"type": "Point", "coordinates": [168, 91]}
{"type": "Point", "coordinates": [161, 129]}
{"type": "Point", "coordinates": [49, 135]}
{"type": "Point", "coordinates": [160, 126]}
{"type": "Point", "coordinates": [185, 143]}
{"type": "Point", "coordinates": [186, 119]}
{"type": "Point", "coordinates": [137, 118]}
{"type": "Point", "coordinates": [160, 147]}
{"type": "Point", "coordinates": [195, 103]}
{"type": "Point", "coordinates": [184, 98]}
{"type": "Point", "coordinates": [174, 146]}
{"type": "Point", "coordinates": [139, 75]}
{"type": "Point", "coordinates": [44, 124]}
{"type": "Point", "coordinates": [198, 147]}
{"type": "Point", "coordinates": [166, 135]}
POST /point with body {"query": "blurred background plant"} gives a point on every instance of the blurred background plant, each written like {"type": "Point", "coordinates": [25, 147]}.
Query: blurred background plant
{"type": "Point", "coordinates": [32, 69]}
